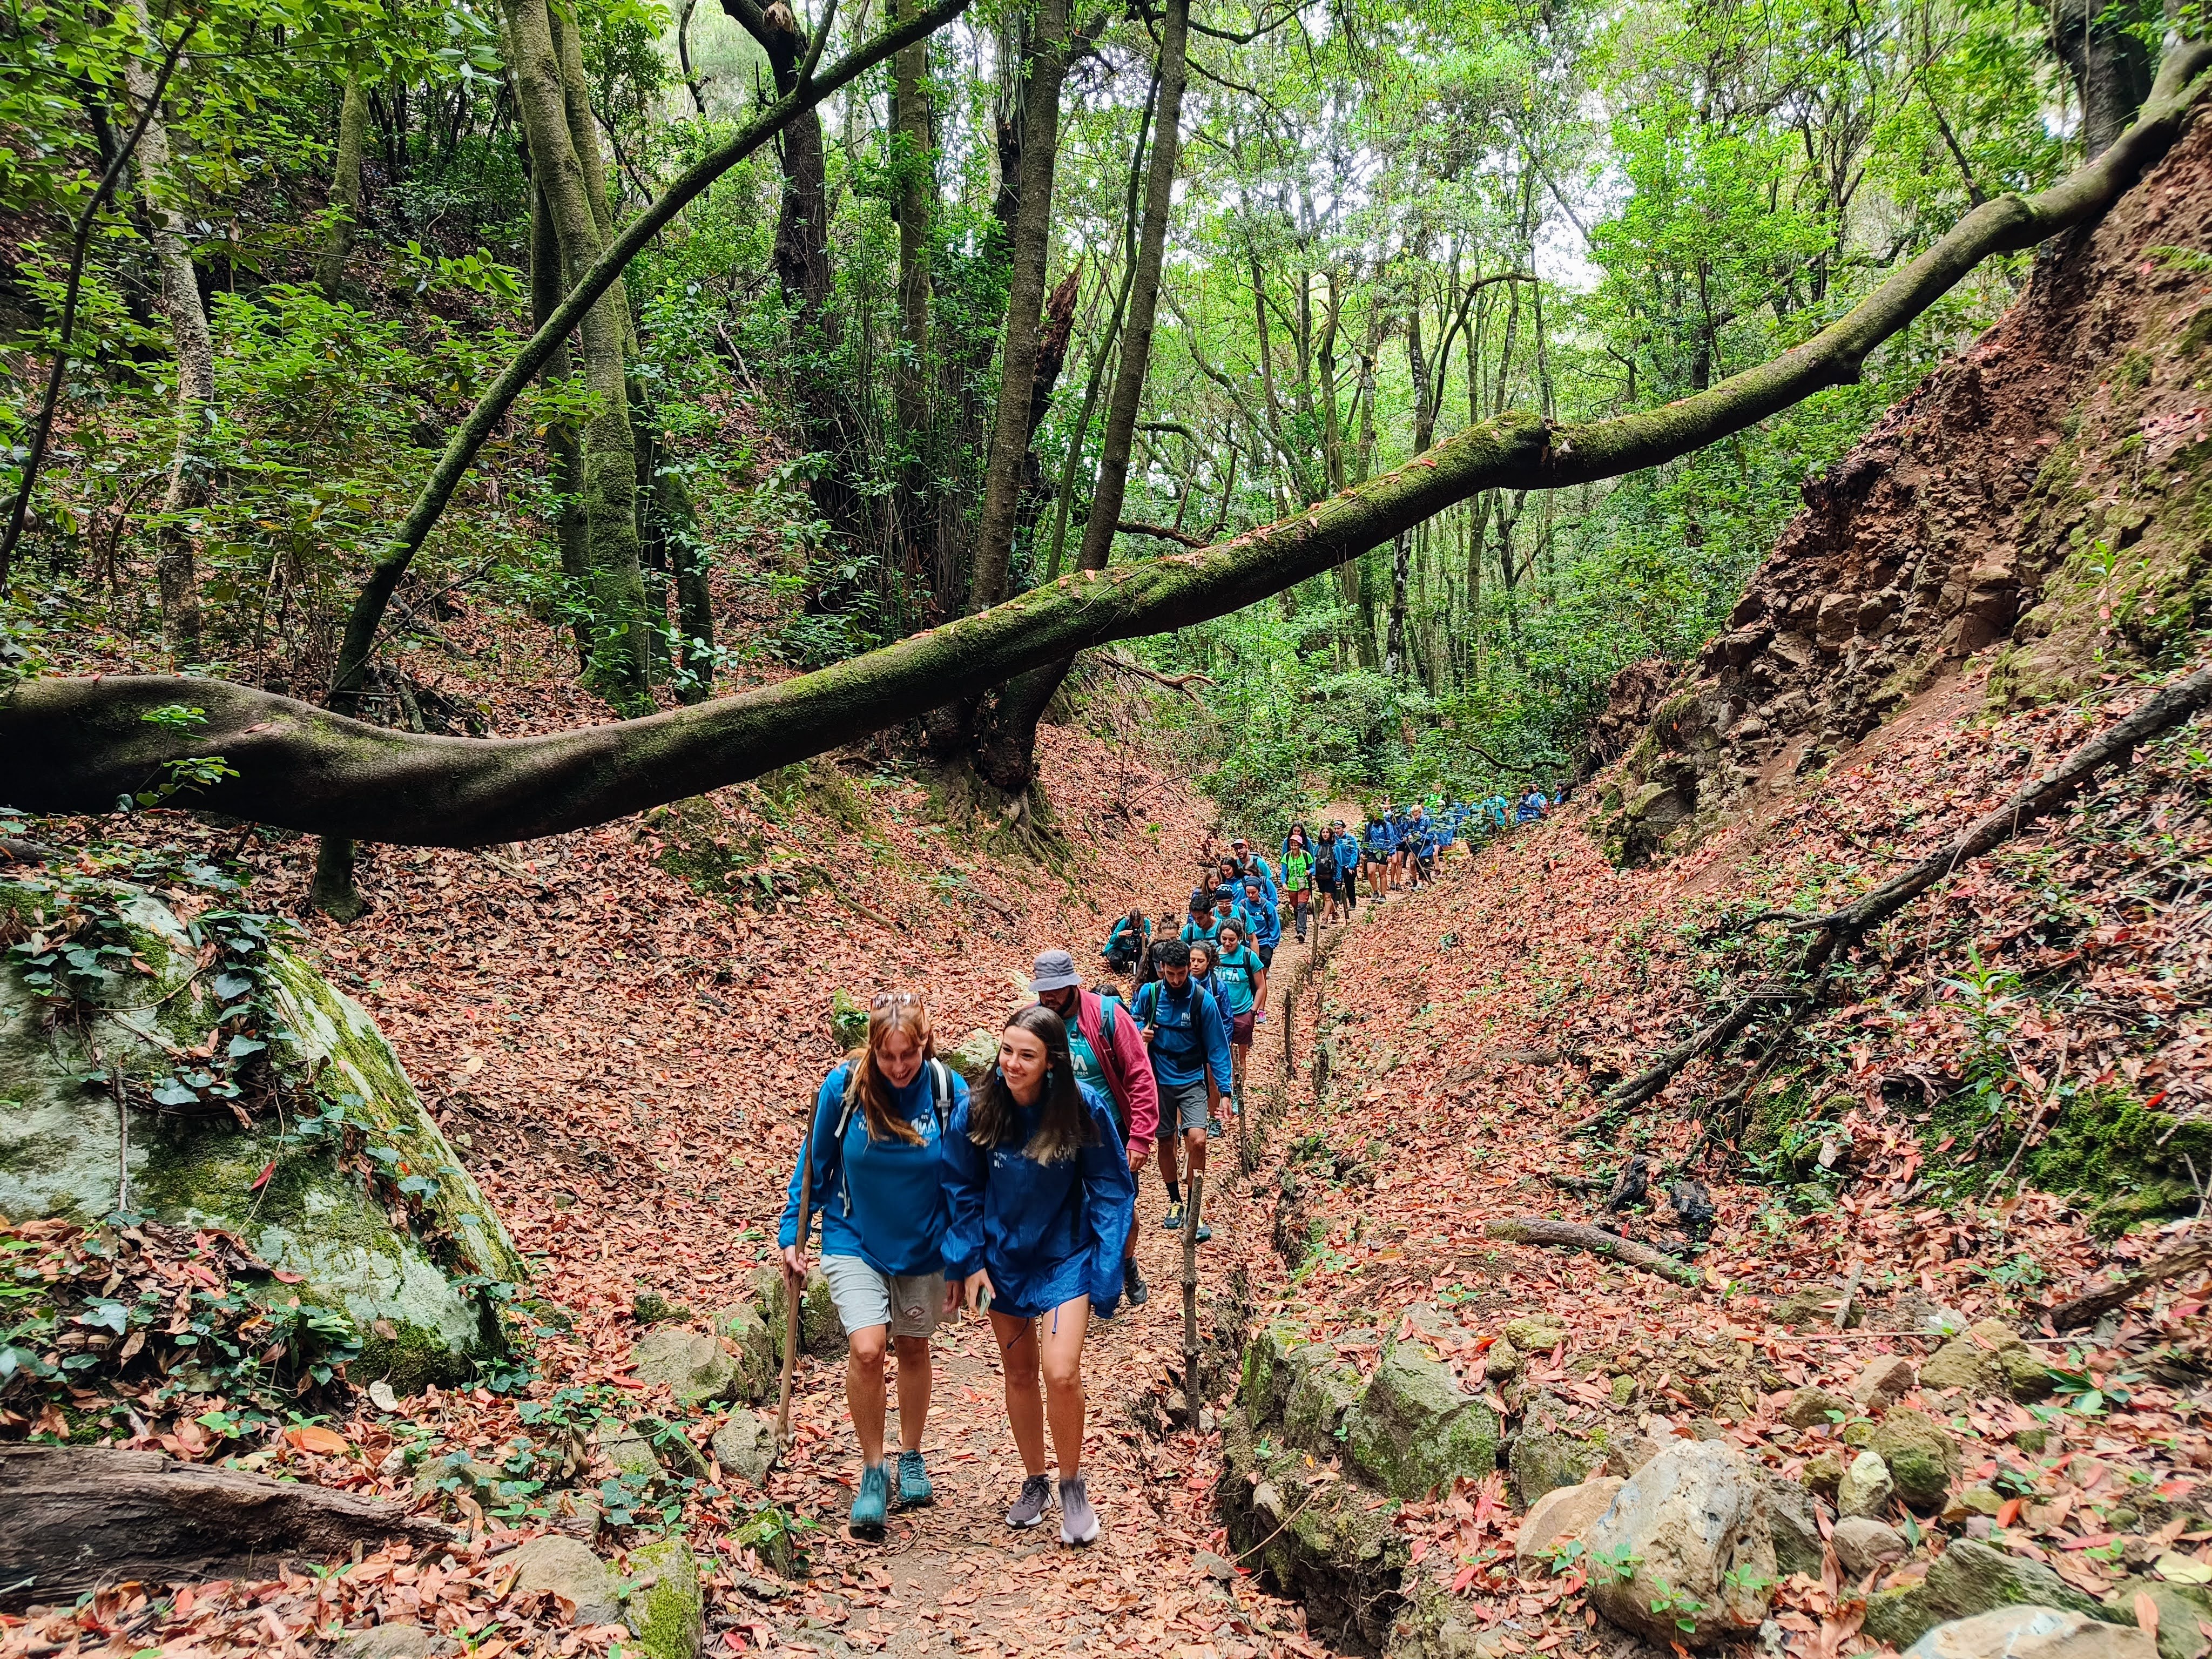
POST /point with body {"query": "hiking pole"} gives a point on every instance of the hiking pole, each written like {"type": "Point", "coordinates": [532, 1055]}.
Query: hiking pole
{"type": "Point", "coordinates": [793, 1291]}
{"type": "Point", "coordinates": [1190, 1297]}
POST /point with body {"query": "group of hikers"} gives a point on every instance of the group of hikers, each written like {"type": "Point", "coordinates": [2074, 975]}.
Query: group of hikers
{"type": "Point", "coordinates": [1016, 1199]}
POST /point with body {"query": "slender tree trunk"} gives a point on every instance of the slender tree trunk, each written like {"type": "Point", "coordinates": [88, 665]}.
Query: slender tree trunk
{"type": "Point", "coordinates": [345, 188]}
{"type": "Point", "coordinates": [1393, 649]}
{"type": "Point", "coordinates": [1032, 246]}
{"type": "Point", "coordinates": [571, 533]}
{"type": "Point", "coordinates": [2109, 66]}
{"type": "Point", "coordinates": [1332, 426]}
{"type": "Point", "coordinates": [176, 572]}
{"type": "Point", "coordinates": [691, 79]}
{"type": "Point", "coordinates": [565, 166]}
{"type": "Point", "coordinates": [1144, 298]}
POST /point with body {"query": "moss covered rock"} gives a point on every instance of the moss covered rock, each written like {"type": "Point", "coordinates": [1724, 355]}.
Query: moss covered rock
{"type": "Point", "coordinates": [1990, 1358]}
{"type": "Point", "coordinates": [821, 1333]}
{"type": "Point", "coordinates": [1969, 1578]}
{"type": "Point", "coordinates": [1414, 1428]}
{"type": "Point", "coordinates": [1923, 1458]}
{"type": "Point", "coordinates": [1314, 1415]}
{"type": "Point", "coordinates": [291, 1199]}
{"type": "Point", "coordinates": [752, 1345]}
{"type": "Point", "coordinates": [665, 1608]}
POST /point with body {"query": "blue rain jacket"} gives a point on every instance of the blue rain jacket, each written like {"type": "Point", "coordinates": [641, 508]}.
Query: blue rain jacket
{"type": "Point", "coordinates": [1122, 928]}
{"type": "Point", "coordinates": [1046, 1233]}
{"type": "Point", "coordinates": [1382, 838]}
{"type": "Point", "coordinates": [881, 1201]}
{"type": "Point", "coordinates": [1190, 1038]}
{"type": "Point", "coordinates": [1263, 922]}
{"type": "Point", "coordinates": [1347, 856]}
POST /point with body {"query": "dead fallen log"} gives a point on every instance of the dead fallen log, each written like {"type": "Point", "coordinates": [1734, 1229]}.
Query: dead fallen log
{"type": "Point", "coordinates": [73, 1519]}
{"type": "Point", "coordinates": [2094, 1304]}
{"type": "Point", "coordinates": [1573, 1236]}
{"type": "Point", "coordinates": [1835, 933]}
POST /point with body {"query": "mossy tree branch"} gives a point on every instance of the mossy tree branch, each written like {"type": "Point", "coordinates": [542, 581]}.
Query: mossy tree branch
{"type": "Point", "coordinates": [75, 746]}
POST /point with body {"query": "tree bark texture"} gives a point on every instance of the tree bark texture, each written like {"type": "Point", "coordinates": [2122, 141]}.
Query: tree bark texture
{"type": "Point", "coordinates": [176, 572]}
{"type": "Point", "coordinates": [345, 188]}
{"type": "Point", "coordinates": [366, 617]}
{"type": "Point", "coordinates": [806, 278]}
{"type": "Point", "coordinates": [75, 1519]}
{"type": "Point", "coordinates": [1128, 392]}
{"type": "Point", "coordinates": [565, 166]}
{"type": "Point", "coordinates": [2109, 66]}
{"type": "Point", "coordinates": [571, 534]}
{"type": "Point", "coordinates": [1047, 67]}
{"type": "Point", "coordinates": [76, 743]}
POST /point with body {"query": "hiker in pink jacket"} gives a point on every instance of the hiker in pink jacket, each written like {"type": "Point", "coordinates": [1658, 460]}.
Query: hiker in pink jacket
{"type": "Point", "coordinates": [1109, 1050]}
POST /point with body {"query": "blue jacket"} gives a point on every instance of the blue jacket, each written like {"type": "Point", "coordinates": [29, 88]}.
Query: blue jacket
{"type": "Point", "coordinates": [1190, 1037]}
{"type": "Point", "coordinates": [1264, 921]}
{"type": "Point", "coordinates": [884, 1202]}
{"type": "Point", "coordinates": [1120, 928]}
{"type": "Point", "coordinates": [1268, 884]}
{"type": "Point", "coordinates": [1381, 837]}
{"type": "Point", "coordinates": [1046, 1233]}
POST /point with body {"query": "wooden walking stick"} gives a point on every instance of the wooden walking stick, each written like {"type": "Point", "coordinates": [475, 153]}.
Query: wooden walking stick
{"type": "Point", "coordinates": [1190, 1297]}
{"type": "Point", "coordinates": [793, 1292]}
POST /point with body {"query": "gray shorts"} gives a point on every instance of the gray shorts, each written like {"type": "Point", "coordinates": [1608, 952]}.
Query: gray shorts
{"type": "Point", "coordinates": [911, 1303]}
{"type": "Point", "coordinates": [1186, 1101]}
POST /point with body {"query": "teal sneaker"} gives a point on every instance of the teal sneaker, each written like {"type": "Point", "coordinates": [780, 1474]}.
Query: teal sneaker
{"type": "Point", "coordinates": [874, 1501]}
{"type": "Point", "coordinates": [915, 1489]}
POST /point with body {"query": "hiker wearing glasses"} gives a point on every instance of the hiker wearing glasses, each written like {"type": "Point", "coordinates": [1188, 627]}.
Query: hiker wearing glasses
{"type": "Point", "coordinates": [1041, 1204]}
{"type": "Point", "coordinates": [1108, 1054]}
{"type": "Point", "coordinates": [879, 1183]}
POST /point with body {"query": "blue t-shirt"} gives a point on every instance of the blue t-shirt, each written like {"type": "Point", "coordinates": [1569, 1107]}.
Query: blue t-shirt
{"type": "Point", "coordinates": [1234, 976]}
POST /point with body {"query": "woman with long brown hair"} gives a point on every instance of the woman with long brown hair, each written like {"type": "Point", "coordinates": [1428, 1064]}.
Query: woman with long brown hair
{"type": "Point", "coordinates": [1041, 1204]}
{"type": "Point", "coordinates": [880, 1137]}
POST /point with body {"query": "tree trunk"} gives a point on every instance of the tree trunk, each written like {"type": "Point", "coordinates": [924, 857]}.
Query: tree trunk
{"type": "Point", "coordinates": [1128, 392]}
{"type": "Point", "coordinates": [2109, 66]}
{"type": "Point", "coordinates": [804, 277]}
{"type": "Point", "coordinates": [176, 572]}
{"type": "Point", "coordinates": [1032, 246]}
{"type": "Point", "coordinates": [565, 166]}
{"type": "Point", "coordinates": [345, 188]}
{"type": "Point", "coordinates": [1394, 650]}
{"type": "Point", "coordinates": [913, 159]}
{"type": "Point", "coordinates": [571, 533]}
{"type": "Point", "coordinates": [691, 79]}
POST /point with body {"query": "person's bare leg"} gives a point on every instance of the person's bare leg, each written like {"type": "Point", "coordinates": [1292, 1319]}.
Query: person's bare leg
{"type": "Point", "coordinates": [1018, 1359]}
{"type": "Point", "coordinates": [1166, 1154]}
{"type": "Point", "coordinates": [914, 1380]}
{"type": "Point", "coordinates": [1193, 1146]}
{"type": "Point", "coordinates": [1061, 1362]}
{"type": "Point", "coordinates": [864, 1388]}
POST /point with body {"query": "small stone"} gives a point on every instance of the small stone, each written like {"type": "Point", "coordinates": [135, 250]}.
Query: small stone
{"type": "Point", "coordinates": [1922, 1456]}
{"type": "Point", "coordinates": [1862, 1544]}
{"type": "Point", "coordinates": [1796, 1528]}
{"type": "Point", "coordinates": [753, 1347]}
{"type": "Point", "coordinates": [745, 1445]}
{"type": "Point", "coordinates": [1866, 1488]}
{"type": "Point", "coordinates": [572, 1573]}
{"type": "Point", "coordinates": [1823, 1474]}
{"type": "Point", "coordinates": [1215, 1567]}
{"type": "Point", "coordinates": [386, 1642]}
{"type": "Point", "coordinates": [1623, 1391]}
{"type": "Point", "coordinates": [1981, 1498]}
{"type": "Point", "coordinates": [1809, 1408]}
{"type": "Point", "coordinates": [1268, 1501]}
{"type": "Point", "coordinates": [1503, 1360]}
{"type": "Point", "coordinates": [692, 1366]}
{"type": "Point", "coordinates": [1886, 1380]}
{"type": "Point", "coordinates": [2032, 1632]}
{"type": "Point", "coordinates": [977, 1053]}
{"type": "Point", "coordinates": [1562, 1515]}
{"type": "Point", "coordinates": [672, 1446]}
{"type": "Point", "coordinates": [628, 1451]}
{"type": "Point", "coordinates": [1538, 1333]}
{"type": "Point", "coordinates": [1988, 1360]}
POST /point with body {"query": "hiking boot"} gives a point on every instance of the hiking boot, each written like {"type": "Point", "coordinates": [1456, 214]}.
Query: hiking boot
{"type": "Point", "coordinates": [1213, 1128]}
{"type": "Point", "coordinates": [1078, 1521]}
{"type": "Point", "coordinates": [1135, 1291]}
{"type": "Point", "coordinates": [1029, 1509]}
{"type": "Point", "coordinates": [873, 1500]}
{"type": "Point", "coordinates": [1172, 1221]}
{"type": "Point", "coordinates": [1204, 1233]}
{"type": "Point", "coordinates": [915, 1489]}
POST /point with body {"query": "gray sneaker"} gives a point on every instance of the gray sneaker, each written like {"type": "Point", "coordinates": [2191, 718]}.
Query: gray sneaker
{"type": "Point", "coordinates": [1078, 1521]}
{"type": "Point", "coordinates": [1036, 1497]}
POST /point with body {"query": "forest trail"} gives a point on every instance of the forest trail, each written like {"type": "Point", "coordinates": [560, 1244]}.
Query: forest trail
{"type": "Point", "coordinates": [953, 1578]}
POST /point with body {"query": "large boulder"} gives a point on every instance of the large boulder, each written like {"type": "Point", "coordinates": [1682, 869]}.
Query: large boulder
{"type": "Point", "coordinates": [2032, 1632]}
{"type": "Point", "coordinates": [1685, 1552]}
{"type": "Point", "coordinates": [692, 1367]}
{"type": "Point", "coordinates": [1923, 1457]}
{"type": "Point", "coordinates": [1987, 1359]}
{"type": "Point", "coordinates": [297, 1201]}
{"type": "Point", "coordinates": [1967, 1579]}
{"type": "Point", "coordinates": [1314, 1415]}
{"type": "Point", "coordinates": [1545, 1456]}
{"type": "Point", "coordinates": [1415, 1429]}
{"type": "Point", "coordinates": [1798, 1545]}
{"type": "Point", "coordinates": [1273, 1363]}
{"type": "Point", "coordinates": [665, 1608]}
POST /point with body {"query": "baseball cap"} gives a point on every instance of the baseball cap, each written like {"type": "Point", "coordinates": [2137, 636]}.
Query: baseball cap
{"type": "Point", "coordinates": [1055, 971]}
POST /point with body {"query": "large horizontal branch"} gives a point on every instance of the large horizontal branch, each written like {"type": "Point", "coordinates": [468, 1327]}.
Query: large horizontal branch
{"type": "Point", "coordinates": [1574, 1236]}
{"type": "Point", "coordinates": [76, 746]}
{"type": "Point", "coordinates": [461, 450]}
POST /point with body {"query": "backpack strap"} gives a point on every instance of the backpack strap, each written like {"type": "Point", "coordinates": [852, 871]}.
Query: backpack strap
{"type": "Point", "coordinates": [1106, 1006]}
{"type": "Point", "coordinates": [940, 1080]}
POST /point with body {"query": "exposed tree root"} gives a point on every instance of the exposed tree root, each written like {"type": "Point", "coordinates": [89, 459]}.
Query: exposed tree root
{"type": "Point", "coordinates": [2094, 1304]}
{"type": "Point", "coordinates": [1573, 1236]}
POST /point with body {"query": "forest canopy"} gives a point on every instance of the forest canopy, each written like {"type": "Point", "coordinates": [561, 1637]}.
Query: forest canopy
{"type": "Point", "coordinates": [929, 307]}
